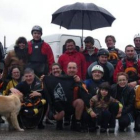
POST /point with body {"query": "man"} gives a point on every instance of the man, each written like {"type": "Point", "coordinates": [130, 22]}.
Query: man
{"type": "Point", "coordinates": [90, 51]}
{"type": "Point", "coordinates": [92, 84]}
{"type": "Point", "coordinates": [129, 65]}
{"type": "Point", "coordinates": [108, 68]}
{"type": "Point", "coordinates": [40, 54]}
{"type": "Point", "coordinates": [114, 53]}
{"type": "Point", "coordinates": [68, 96]}
{"type": "Point", "coordinates": [137, 44]}
{"type": "Point", "coordinates": [31, 88]}
{"type": "Point", "coordinates": [71, 55]}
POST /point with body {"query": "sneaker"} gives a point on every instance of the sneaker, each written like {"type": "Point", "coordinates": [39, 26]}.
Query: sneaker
{"type": "Point", "coordinates": [41, 126]}
{"type": "Point", "coordinates": [111, 130]}
{"type": "Point", "coordinates": [103, 130]}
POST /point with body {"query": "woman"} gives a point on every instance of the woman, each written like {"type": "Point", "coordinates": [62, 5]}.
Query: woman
{"type": "Point", "coordinates": [17, 57]}
{"type": "Point", "coordinates": [126, 95]}
{"type": "Point", "coordinates": [15, 79]}
{"type": "Point", "coordinates": [100, 108]}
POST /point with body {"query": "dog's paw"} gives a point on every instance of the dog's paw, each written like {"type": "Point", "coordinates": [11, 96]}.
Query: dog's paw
{"type": "Point", "coordinates": [21, 130]}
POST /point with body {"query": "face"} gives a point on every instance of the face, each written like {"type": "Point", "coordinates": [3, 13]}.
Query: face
{"type": "Point", "coordinates": [21, 45]}
{"type": "Point", "coordinates": [29, 78]}
{"type": "Point", "coordinates": [72, 69]}
{"type": "Point", "coordinates": [36, 35]}
{"type": "Point", "coordinates": [89, 46]}
{"type": "Point", "coordinates": [15, 73]}
{"type": "Point", "coordinates": [70, 46]}
{"type": "Point", "coordinates": [97, 75]}
{"type": "Point", "coordinates": [137, 42]}
{"type": "Point", "coordinates": [103, 59]}
{"type": "Point", "coordinates": [109, 42]}
{"type": "Point", "coordinates": [130, 52]}
{"type": "Point", "coordinates": [56, 71]}
{"type": "Point", "coordinates": [104, 92]}
{"type": "Point", "coordinates": [122, 81]}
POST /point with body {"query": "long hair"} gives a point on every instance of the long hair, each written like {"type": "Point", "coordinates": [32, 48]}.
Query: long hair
{"type": "Point", "coordinates": [104, 86]}
{"type": "Point", "coordinates": [21, 53]}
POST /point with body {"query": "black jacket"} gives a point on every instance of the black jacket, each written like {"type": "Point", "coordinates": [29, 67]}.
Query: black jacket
{"type": "Point", "coordinates": [126, 97]}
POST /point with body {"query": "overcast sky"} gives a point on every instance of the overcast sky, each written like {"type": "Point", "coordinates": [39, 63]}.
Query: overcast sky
{"type": "Point", "coordinates": [17, 17]}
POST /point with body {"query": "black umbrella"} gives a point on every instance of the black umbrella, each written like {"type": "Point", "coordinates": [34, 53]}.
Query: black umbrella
{"type": "Point", "coordinates": [85, 16]}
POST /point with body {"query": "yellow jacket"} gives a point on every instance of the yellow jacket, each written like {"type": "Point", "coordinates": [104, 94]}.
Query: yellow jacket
{"type": "Point", "coordinates": [10, 85]}
{"type": "Point", "coordinates": [137, 97]}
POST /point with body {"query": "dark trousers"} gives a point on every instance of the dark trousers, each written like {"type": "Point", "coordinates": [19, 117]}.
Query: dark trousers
{"type": "Point", "coordinates": [124, 121]}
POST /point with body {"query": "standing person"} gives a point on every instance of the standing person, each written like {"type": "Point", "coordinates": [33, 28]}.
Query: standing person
{"type": "Point", "coordinates": [71, 55]}
{"type": "Point", "coordinates": [92, 84]}
{"type": "Point", "coordinates": [99, 108]}
{"type": "Point", "coordinates": [40, 53]}
{"type": "Point", "coordinates": [108, 68]}
{"type": "Point", "coordinates": [17, 57]}
{"type": "Point", "coordinates": [126, 95]}
{"type": "Point", "coordinates": [130, 65]}
{"type": "Point", "coordinates": [90, 51]}
{"type": "Point", "coordinates": [114, 53]}
{"type": "Point", "coordinates": [137, 44]}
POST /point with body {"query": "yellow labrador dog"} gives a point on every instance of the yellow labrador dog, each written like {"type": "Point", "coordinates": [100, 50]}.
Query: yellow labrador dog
{"type": "Point", "coordinates": [10, 107]}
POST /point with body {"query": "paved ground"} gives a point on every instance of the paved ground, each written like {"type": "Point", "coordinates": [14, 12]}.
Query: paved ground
{"type": "Point", "coordinates": [49, 133]}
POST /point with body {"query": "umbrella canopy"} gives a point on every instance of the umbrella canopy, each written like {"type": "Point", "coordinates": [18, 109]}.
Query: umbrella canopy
{"type": "Point", "coordinates": [87, 16]}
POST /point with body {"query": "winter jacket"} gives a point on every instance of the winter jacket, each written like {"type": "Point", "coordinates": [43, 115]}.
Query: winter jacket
{"type": "Point", "coordinates": [126, 97]}
{"type": "Point", "coordinates": [137, 97]}
{"type": "Point", "coordinates": [76, 57]}
{"type": "Point", "coordinates": [45, 51]}
{"type": "Point", "coordinates": [10, 61]}
{"type": "Point", "coordinates": [129, 64]}
{"type": "Point", "coordinates": [90, 58]}
{"type": "Point", "coordinates": [92, 86]}
{"type": "Point", "coordinates": [108, 71]}
{"type": "Point", "coordinates": [11, 84]}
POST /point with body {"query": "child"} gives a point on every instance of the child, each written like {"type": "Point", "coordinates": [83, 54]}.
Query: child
{"type": "Point", "coordinates": [100, 110]}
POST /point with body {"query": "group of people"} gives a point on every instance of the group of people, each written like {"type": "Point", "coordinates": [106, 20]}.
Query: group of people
{"type": "Point", "coordinates": [85, 89]}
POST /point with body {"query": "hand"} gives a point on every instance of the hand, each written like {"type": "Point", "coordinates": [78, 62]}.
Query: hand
{"type": "Point", "coordinates": [34, 93]}
{"type": "Point", "coordinates": [16, 91]}
{"type": "Point", "coordinates": [93, 115]}
{"type": "Point", "coordinates": [42, 77]}
{"type": "Point", "coordinates": [76, 78]}
{"type": "Point", "coordinates": [132, 84]}
{"type": "Point", "coordinates": [118, 115]}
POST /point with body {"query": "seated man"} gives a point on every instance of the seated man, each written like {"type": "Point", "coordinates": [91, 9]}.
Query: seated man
{"type": "Point", "coordinates": [33, 93]}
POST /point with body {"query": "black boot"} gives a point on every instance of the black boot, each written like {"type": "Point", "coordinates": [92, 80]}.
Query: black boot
{"type": "Point", "coordinates": [59, 125]}
{"type": "Point", "coordinates": [1, 120]}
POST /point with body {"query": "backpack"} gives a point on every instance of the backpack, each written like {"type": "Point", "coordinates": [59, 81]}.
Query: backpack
{"type": "Point", "coordinates": [131, 71]}
{"type": "Point", "coordinates": [113, 57]}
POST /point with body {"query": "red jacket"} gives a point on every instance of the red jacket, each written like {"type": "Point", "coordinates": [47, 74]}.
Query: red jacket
{"type": "Point", "coordinates": [90, 58]}
{"type": "Point", "coordinates": [76, 57]}
{"type": "Point", "coordinates": [120, 68]}
{"type": "Point", "coordinates": [46, 50]}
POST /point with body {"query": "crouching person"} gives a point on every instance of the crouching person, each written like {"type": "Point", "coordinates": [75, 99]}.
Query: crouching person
{"type": "Point", "coordinates": [137, 109]}
{"type": "Point", "coordinates": [34, 104]}
{"type": "Point", "coordinates": [126, 95]}
{"type": "Point", "coordinates": [101, 110]}
{"type": "Point", "coordinates": [68, 96]}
